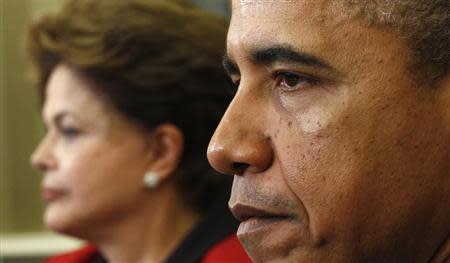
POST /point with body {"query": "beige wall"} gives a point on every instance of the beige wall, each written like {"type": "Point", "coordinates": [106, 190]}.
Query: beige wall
{"type": "Point", "coordinates": [3, 201]}
{"type": "Point", "coordinates": [20, 125]}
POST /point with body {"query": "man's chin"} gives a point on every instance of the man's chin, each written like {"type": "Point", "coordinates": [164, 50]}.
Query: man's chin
{"type": "Point", "coordinates": [272, 239]}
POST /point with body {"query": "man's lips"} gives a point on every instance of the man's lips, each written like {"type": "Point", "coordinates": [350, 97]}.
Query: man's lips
{"type": "Point", "coordinates": [244, 212]}
{"type": "Point", "coordinates": [256, 221]}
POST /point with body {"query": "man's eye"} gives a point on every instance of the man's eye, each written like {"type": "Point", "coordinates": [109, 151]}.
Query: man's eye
{"type": "Point", "coordinates": [292, 81]}
{"type": "Point", "coordinates": [234, 85]}
{"type": "Point", "coordinates": [236, 82]}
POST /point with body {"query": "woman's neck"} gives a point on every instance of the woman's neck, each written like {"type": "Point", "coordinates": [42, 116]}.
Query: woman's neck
{"type": "Point", "coordinates": [150, 232]}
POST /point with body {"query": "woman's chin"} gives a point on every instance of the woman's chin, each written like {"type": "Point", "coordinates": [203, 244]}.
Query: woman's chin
{"type": "Point", "coordinates": [57, 221]}
{"type": "Point", "coordinates": [52, 222]}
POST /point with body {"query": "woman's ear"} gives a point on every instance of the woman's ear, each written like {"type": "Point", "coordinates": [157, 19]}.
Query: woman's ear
{"type": "Point", "coordinates": [166, 149]}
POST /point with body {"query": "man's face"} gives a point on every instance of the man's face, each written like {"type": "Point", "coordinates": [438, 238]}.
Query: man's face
{"type": "Point", "coordinates": [339, 155]}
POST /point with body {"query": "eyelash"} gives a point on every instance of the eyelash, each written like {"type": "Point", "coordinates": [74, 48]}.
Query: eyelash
{"type": "Point", "coordinates": [234, 85]}
{"type": "Point", "coordinates": [69, 132]}
{"type": "Point", "coordinates": [281, 79]}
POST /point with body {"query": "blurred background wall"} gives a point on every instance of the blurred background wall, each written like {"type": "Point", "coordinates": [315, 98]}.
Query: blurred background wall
{"type": "Point", "coordinates": [22, 234]}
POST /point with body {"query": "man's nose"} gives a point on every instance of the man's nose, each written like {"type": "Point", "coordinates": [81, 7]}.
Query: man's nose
{"type": "Point", "coordinates": [239, 143]}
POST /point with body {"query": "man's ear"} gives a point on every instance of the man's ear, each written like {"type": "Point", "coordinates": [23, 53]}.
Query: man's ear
{"type": "Point", "coordinates": [166, 149]}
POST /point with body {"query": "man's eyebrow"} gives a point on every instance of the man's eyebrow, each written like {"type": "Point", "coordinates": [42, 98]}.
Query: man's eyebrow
{"type": "Point", "coordinates": [229, 65]}
{"type": "Point", "coordinates": [285, 53]}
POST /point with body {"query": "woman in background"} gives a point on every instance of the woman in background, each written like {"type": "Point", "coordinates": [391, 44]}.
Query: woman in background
{"type": "Point", "coordinates": [131, 93]}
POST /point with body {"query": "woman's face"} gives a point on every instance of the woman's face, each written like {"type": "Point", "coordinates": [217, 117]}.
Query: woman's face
{"type": "Point", "coordinates": [93, 158]}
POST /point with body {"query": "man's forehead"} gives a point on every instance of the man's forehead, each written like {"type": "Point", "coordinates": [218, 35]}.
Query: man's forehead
{"type": "Point", "coordinates": [256, 18]}
{"type": "Point", "coordinates": [282, 7]}
{"type": "Point", "coordinates": [256, 22]}
{"type": "Point", "coordinates": [265, 9]}
{"type": "Point", "coordinates": [289, 10]}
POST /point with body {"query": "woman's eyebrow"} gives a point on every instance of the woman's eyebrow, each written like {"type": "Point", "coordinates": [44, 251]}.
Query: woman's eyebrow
{"type": "Point", "coordinates": [58, 118]}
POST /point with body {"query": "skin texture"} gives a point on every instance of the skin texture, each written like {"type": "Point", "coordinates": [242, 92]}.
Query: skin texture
{"type": "Point", "coordinates": [347, 149]}
{"type": "Point", "coordinates": [95, 159]}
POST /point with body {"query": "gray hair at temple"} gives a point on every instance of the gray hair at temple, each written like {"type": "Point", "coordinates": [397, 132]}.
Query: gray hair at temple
{"type": "Point", "coordinates": [425, 25]}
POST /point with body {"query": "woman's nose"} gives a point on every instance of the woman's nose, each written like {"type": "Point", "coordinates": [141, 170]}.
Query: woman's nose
{"type": "Point", "coordinates": [42, 158]}
{"type": "Point", "coordinates": [239, 144]}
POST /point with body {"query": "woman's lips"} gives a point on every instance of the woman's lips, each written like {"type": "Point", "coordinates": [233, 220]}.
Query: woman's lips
{"type": "Point", "coordinates": [51, 194]}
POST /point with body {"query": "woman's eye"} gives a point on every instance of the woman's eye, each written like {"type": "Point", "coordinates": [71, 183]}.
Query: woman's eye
{"type": "Point", "coordinates": [70, 132]}
{"type": "Point", "coordinates": [293, 81]}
